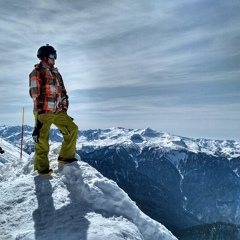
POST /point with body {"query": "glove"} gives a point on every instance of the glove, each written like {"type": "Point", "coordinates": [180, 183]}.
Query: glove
{"type": "Point", "coordinates": [36, 131]}
{"type": "Point", "coordinates": [64, 110]}
{"type": "Point", "coordinates": [35, 138]}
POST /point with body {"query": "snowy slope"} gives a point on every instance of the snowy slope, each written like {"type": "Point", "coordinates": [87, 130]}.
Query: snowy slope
{"type": "Point", "coordinates": [77, 202]}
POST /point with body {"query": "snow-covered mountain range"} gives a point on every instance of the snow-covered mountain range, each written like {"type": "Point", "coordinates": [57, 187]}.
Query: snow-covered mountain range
{"type": "Point", "coordinates": [180, 182]}
{"type": "Point", "coordinates": [142, 137]}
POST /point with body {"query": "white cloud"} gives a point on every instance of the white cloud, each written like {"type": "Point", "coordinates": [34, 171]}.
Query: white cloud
{"type": "Point", "coordinates": [116, 55]}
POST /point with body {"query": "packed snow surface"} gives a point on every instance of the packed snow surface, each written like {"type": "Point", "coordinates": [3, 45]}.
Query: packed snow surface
{"type": "Point", "coordinates": [75, 203]}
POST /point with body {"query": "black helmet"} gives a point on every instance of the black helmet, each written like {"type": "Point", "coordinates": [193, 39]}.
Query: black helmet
{"type": "Point", "coordinates": [44, 51]}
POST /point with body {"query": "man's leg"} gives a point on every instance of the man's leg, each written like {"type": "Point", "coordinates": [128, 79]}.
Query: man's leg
{"type": "Point", "coordinates": [41, 161]}
{"type": "Point", "coordinates": [70, 132]}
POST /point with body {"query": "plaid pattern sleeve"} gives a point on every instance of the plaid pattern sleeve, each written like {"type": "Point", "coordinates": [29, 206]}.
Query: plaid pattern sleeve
{"type": "Point", "coordinates": [64, 96]}
{"type": "Point", "coordinates": [35, 90]}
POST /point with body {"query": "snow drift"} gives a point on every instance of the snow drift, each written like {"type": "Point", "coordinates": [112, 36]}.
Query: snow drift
{"type": "Point", "coordinates": [76, 202]}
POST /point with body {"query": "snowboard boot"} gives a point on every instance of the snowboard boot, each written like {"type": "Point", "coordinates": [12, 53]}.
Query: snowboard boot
{"type": "Point", "coordinates": [45, 172]}
{"type": "Point", "coordinates": [66, 160]}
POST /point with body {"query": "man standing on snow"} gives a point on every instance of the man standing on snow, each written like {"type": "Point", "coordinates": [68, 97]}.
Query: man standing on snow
{"type": "Point", "coordinates": [50, 107]}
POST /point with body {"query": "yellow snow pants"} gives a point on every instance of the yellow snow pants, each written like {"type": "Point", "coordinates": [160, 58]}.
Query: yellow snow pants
{"type": "Point", "coordinates": [70, 132]}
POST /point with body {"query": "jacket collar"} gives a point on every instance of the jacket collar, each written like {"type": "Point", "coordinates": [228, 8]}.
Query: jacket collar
{"type": "Point", "coordinates": [46, 66]}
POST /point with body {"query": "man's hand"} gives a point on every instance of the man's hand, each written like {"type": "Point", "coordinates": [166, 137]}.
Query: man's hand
{"type": "Point", "coordinates": [64, 110]}
{"type": "Point", "coordinates": [35, 138]}
{"type": "Point", "coordinates": [35, 135]}
{"type": "Point", "coordinates": [36, 131]}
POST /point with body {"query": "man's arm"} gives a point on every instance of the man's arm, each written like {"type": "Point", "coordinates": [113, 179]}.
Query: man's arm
{"type": "Point", "coordinates": [35, 90]}
{"type": "Point", "coordinates": [64, 98]}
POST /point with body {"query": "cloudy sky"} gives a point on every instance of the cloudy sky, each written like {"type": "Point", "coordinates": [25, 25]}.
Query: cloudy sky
{"type": "Point", "coordinates": [173, 66]}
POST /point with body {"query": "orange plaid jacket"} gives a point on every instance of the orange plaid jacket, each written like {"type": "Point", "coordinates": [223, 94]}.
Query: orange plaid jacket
{"type": "Point", "coordinates": [47, 89]}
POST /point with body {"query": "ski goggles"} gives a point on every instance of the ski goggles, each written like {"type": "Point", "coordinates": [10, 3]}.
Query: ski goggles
{"type": "Point", "coordinates": [53, 55]}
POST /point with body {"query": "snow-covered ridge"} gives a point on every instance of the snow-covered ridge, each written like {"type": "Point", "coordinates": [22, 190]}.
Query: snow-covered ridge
{"type": "Point", "coordinates": [150, 137]}
{"type": "Point", "coordinates": [77, 202]}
